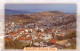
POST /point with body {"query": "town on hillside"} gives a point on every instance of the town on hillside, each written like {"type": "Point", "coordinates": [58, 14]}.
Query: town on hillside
{"type": "Point", "coordinates": [45, 29]}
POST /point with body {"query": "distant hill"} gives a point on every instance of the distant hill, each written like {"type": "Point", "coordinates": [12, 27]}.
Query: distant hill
{"type": "Point", "coordinates": [57, 12]}
{"type": "Point", "coordinates": [14, 12]}
{"type": "Point", "coordinates": [49, 13]}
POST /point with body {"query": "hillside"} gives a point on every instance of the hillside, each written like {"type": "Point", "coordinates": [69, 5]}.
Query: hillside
{"type": "Point", "coordinates": [50, 28]}
{"type": "Point", "coordinates": [48, 19]}
{"type": "Point", "coordinates": [54, 18]}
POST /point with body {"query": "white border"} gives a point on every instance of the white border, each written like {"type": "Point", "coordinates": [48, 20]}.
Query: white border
{"type": "Point", "coordinates": [3, 2]}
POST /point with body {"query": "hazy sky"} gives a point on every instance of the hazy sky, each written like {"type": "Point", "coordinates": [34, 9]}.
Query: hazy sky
{"type": "Point", "coordinates": [42, 7]}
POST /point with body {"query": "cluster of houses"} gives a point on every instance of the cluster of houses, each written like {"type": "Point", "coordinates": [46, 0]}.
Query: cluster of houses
{"type": "Point", "coordinates": [41, 33]}
{"type": "Point", "coordinates": [36, 36]}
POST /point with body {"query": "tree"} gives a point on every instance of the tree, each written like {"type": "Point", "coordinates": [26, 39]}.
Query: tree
{"type": "Point", "coordinates": [9, 44]}
{"type": "Point", "coordinates": [70, 35]}
{"type": "Point", "coordinates": [16, 44]}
